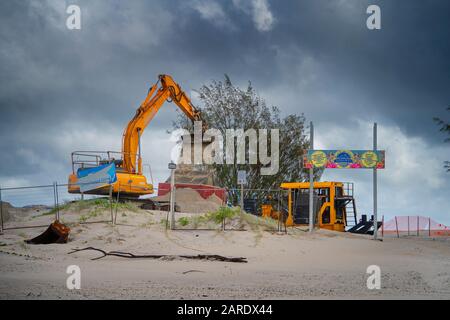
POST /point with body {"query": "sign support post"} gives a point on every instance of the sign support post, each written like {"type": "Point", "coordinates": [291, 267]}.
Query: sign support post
{"type": "Point", "coordinates": [311, 180]}
{"type": "Point", "coordinates": [111, 203]}
{"type": "Point", "coordinates": [242, 179]}
{"type": "Point", "coordinates": [91, 179]}
{"type": "Point", "coordinates": [375, 186]}
{"type": "Point", "coordinates": [1, 212]}
{"type": "Point", "coordinates": [373, 159]}
{"type": "Point", "coordinates": [172, 167]}
{"type": "Point", "coordinates": [242, 198]}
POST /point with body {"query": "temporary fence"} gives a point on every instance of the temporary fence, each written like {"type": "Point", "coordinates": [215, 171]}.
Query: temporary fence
{"type": "Point", "coordinates": [27, 203]}
{"type": "Point", "coordinates": [420, 226]}
{"type": "Point", "coordinates": [196, 207]}
{"type": "Point", "coordinates": [219, 209]}
{"type": "Point", "coordinates": [35, 206]}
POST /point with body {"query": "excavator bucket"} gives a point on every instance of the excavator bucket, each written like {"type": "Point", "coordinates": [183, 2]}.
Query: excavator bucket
{"type": "Point", "coordinates": [55, 233]}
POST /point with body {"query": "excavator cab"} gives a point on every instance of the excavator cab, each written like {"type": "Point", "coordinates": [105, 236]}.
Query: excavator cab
{"type": "Point", "coordinates": [127, 184]}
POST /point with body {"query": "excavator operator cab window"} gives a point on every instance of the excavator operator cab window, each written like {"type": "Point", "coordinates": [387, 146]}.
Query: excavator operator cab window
{"type": "Point", "coordinates": [117, 163]}
{"type": "Point", "coordinates": [324, 199]}
{"type": "Point", "coordinates": [340, 204]}
{"type": "Point", "coordinates": [326, 215]}
{"type": "Point", "coordinates": [324, 193]}
{"type": "Point", "coordinates": [104, 161]}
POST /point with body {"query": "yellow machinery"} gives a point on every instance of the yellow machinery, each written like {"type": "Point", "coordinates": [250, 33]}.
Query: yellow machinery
{"type": "Point", "coordinates": [128, 162]}
{"type": "Point", "coordinates": [267, 210]}
{"type": "Point", "coordinates": [333, 204]}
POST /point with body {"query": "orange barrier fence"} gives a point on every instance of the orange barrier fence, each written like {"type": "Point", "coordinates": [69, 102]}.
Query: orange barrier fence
{"type": "Point", "coordinates": [415, 226]}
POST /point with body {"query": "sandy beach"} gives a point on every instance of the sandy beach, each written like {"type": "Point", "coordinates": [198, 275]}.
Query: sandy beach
{"type": "Point", "coordinates": [297, 265]}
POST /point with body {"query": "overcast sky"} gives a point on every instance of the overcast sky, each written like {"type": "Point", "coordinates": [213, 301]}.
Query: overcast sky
{"type": "Point", "coordinates": [64, 90]}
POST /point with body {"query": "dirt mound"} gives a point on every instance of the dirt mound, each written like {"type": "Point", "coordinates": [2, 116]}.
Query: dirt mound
{"type": "Point", "coordinates": [197, 174]}
{"type": "Point", "coordinates": [18, 213]}
{"type": "Point", "coordinates": [189, 200]}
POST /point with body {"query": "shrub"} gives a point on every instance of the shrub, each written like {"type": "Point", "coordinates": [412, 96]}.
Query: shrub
{"type": "Point", "coordinates": [183, 221]}
{"type": "Point", "coordinates": [223, 213]}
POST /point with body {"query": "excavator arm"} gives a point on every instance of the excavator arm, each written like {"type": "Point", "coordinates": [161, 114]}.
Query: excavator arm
{"type": "Point", "coordinates": [168, 91]}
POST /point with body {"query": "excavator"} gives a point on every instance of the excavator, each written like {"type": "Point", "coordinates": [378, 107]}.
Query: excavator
{"type": "Point", "coordinates": [131, 181]}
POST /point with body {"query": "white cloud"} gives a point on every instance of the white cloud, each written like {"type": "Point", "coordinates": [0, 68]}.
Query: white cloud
{"type": "Point", "coordinates": [260, 12]}
{"type": "Point", "coordinates": [262, 16]}
{"type": "Point", "coordinates": [213, 12]}
{"type": "Point", "coordinates": [54, 12]}
{"type": "Point", "coordinates": [126, 24]}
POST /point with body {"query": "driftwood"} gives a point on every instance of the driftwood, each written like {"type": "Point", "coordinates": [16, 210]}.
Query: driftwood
{"type": "Point", "coordinates": [212, 257]}
{"type": "Point", "coordinates": [189, 271]}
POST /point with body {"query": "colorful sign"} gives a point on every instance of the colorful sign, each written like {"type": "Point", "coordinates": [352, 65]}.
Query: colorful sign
{"type": "Point", "coordinates": [93, 178]}
{"type": "Point", "coordinates": [345, 159]}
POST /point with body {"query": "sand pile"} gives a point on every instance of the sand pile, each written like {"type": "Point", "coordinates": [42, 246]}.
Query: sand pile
{"type": "Point", "coordinates": [189, 200]}
{"type": "Point", "coordinates": [19, 213]}
{"type": "Point", "coordinates": [196, 174]}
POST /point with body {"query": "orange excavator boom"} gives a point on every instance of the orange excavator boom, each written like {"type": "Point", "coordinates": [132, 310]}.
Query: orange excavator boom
{"type": "Point", "coordinates": [130, 179]}
{"type": "Point", "coordinates": [132, 161]}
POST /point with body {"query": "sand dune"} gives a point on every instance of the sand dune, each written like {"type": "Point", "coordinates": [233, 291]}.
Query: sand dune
{"type": "Point", "coordinates": [293, 266]}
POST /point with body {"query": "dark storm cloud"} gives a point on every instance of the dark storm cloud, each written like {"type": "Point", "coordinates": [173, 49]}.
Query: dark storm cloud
{"type": "Point", "coordinates": [400, 73]}
{"type": "Point", "coordinates": [316, 57]}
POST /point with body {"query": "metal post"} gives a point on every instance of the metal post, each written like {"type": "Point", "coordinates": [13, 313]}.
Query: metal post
{"type": "Point", "coordinates": [417, 225]}
{"type": "Point", "coordinates": [1, 211]}
{"type": "Point", "coordinates": [223, 221]}
{"type": "Point", "coordinates": [408, 225]}
{"type": "Point", "coordinates": [311, 180]}
{"type": "Point", "coordinates": [375, 203]}
{"type": "Point", "coordinates": [279, 211]}
{"type": "Point", "coordinates": [117, 202]}
{"type": "Point", "coordinates": [172, 199]}
{"type": "Point", "coordinates": [111, 204]}
{"type": "Point", "coordinates": [57, 199]}
{"type": "Point", "coordinates": [429, 226]}
{"type": "Point", "coordinates": [54, 200]}
{"type": "Point", "coordinates": [396, 227]}
{"type": "Point", "coordinates": [242, 198]}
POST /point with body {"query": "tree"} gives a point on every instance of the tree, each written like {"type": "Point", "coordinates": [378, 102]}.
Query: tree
{"type": "Point", "coordinates": [445, 128]}
{"type": "Point", "coordinates": [226, 106]}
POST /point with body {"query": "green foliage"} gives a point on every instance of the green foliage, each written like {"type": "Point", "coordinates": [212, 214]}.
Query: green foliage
{"type": "Point", "coordinates": [215, 217]}
{"type": "Point", "coordinates": [255, 222]}
{"type": "Point", "coordinates": [222, 213]}
{"type": "Point", "coordinates": [226, 106]}
{"type": "Point", "coordinates": [183, 221]}
{"type": "Point", "coordinates": [96, 203]}
{"type": "Point", "coordinates": [95, 207]}
{"type": "Point", "coordinates": [445, 128]}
